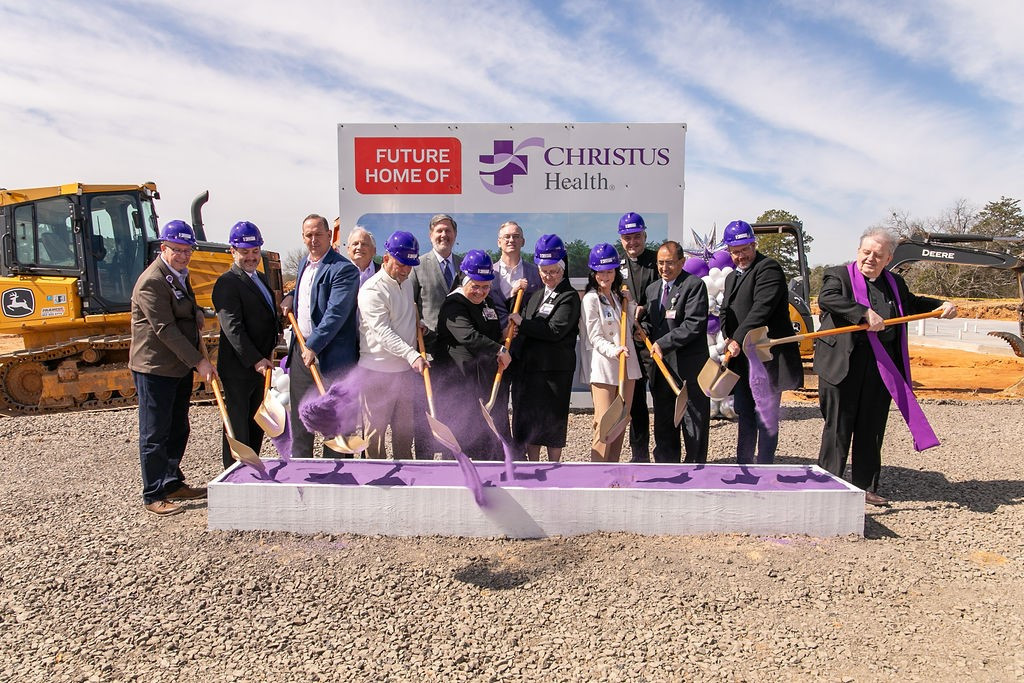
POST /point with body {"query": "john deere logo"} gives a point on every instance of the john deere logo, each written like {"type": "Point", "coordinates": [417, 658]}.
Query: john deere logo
{"type": "Point", "coordinates": [19, 302]}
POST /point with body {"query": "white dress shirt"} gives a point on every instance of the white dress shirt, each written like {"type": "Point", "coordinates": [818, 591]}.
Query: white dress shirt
{"type": "Point", "coordinates": [305, 301]}
{"type": "Point", "coordinates": [387, 324]}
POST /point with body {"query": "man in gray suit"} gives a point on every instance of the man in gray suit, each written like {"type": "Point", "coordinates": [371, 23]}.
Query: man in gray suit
{"type": "Point", "coordinates": [431, 281]}
{"type": "Point", "coordinates": [165, 349]}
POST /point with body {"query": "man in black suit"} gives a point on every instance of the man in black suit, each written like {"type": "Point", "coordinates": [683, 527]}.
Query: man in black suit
{"type": "Point", "coordinates": [755, 296]}
{"type": "Point", "coordinates": [249, 331]}
{"type": "Point", "coordinates": [431, 281]}
{"type": "Point", "coordinates": [677, 323]}
{"type": "Point", "coordinates": [855, 369]}
{"type": "Point", "coordinates": [639, 269]}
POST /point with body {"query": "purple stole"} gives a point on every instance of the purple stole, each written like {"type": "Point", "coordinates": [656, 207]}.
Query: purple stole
{"type": "Point", "coordinates": [899, 388]}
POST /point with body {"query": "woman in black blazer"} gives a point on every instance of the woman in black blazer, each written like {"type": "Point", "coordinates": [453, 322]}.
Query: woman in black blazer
{"type": "Point", "coordinates": [548, 328]}
{"type": "Point", "coordinates": [468, 353]}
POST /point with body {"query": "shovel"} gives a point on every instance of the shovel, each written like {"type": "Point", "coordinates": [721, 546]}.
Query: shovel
{"type": "Point", "coordinates": [680, 409]}
{"type": "Point", "coordinates": [757, 339]}
{"type": "Point", "coordinates": [615, 419]}
{"type": "Point", "coordinates": [440, 430]}
{"type": "Point", "coordinates": [486, 407]}
{"type": "Point", "coordinates": [717, 380]}
{"type": "Point", "coordinates": [270, 416]}
{"type": "Point", "coordinates": [239, 451]}
{"type": "Point", "coordinates": [339, 443]}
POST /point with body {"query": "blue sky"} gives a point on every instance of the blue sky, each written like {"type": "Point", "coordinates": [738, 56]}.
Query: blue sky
{"type": "Point", "coordinates": [840, 112]}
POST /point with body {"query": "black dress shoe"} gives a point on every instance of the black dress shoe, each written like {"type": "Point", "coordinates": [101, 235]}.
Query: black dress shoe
{"type": "Point", "coordinates": [872, 498]}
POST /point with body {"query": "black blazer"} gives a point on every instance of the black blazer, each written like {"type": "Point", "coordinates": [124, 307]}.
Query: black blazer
{"type": "Point", "coordinates": [468, 339]}
{"type": "Point", "coordinates": [249, 328]}
{"type": "Point", "coordinates": [683, 339]}
{"type": "Point", "coordinates": [759, 298]}
{"type": "Point", "coordinates": [549, 343]}
{"type": "Point", "coordinates": [838, 309]}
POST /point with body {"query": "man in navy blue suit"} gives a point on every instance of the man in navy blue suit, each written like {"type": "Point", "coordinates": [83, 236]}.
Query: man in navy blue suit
{"type": "Point", "coordinates": [324, 305]}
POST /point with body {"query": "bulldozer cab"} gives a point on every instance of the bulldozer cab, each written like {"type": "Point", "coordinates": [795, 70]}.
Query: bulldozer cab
{"type": "Point", "coordinates": [93, 236]}
{"type": "Point", "coordinates": [790, 237]}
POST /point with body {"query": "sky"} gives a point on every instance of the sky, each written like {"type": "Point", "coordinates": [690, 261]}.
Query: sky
{"type": "Point", "coordinates": [839, 112]}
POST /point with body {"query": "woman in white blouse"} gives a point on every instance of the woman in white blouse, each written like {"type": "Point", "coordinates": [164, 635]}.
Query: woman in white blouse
{"type": "Point", "coordinates": [602, 312]}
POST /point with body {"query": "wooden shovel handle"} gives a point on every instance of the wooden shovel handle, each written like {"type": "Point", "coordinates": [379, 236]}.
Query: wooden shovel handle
{"type": "Point", "coordinates": [217, 394]}
{"type": "Point", "coordinates": [267, 373]}
{"type": "Point", "coordinates": [426, 370]}
{"type": "Point", "coordinates": [508, 341]}
{"type": "Point", "coordinates": [851, 328]}
{"type": "Point", "coordinates": [660, 363]}
{"type": "Point", "coordinates": [313, 369]}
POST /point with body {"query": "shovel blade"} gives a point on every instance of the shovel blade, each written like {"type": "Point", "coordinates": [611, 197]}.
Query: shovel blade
{"type": "Point", "coordinates": [613, 418]}
{"type": "Point", "coordinates": [270, 417]}
{"type": "Point", "coordinates": [444, 435]}
{"type": "Point", "coordinates": [716, 381]}
{"type": "Point", "coordinates": [757, 341]}
{"type": "Point", "coordinates": [680, 410]}
{"type": "Point", "coordinates": [486, 410]}
{"type": "Point", "coordinates": [246, 455]}
{"type": "Point", "coordinates": [353, 444]}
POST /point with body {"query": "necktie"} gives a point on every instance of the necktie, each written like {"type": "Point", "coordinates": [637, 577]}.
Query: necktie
{"type": "Point", "coordinates": [664, 295]}
{"type": "Point", "coordinates": [448, 277]}
{"type": "Point", "coordinates": [263, 290]}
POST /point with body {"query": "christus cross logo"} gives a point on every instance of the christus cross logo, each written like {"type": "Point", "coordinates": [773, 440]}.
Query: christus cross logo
{"type": "Point", "coordinates": [506, 163]}
{"type": "Point", "coordinates": [19, 302]}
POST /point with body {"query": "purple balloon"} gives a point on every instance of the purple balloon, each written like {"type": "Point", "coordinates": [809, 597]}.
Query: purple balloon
{"type": "Point", "coordinates": [695, 265]}
{"type": "Point", "coordinates": [721, 259]}
{"type": "Point", "coordinates": [714, 325]}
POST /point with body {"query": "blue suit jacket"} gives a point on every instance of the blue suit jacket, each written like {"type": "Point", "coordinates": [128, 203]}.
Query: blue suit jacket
{"type": "Point", "coordinates": [332, 308]}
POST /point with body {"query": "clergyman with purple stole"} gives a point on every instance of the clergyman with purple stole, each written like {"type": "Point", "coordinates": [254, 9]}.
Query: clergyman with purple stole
{"type": "Point", "coordinates": [860, 374]}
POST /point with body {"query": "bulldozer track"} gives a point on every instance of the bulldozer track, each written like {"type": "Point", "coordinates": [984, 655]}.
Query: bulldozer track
{"type": "Point", "coordinates": [13, 398]}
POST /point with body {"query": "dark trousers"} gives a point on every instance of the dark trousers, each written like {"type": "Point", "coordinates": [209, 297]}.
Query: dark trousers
{"type": "Point", "coordinates": [242, 397]}
{"type": "Point", "coordinates": [752, 432]}
{"type": "Point", "coordinates": [300, 387]}
{"type": "Point", "coordinates": [640, 423]}
{"type": "Point", "coordinates": [694, 427]}
{"type": "Point", "coordinates": [856, 410]}
{"type": "Point", "coordinates": [163, 432]}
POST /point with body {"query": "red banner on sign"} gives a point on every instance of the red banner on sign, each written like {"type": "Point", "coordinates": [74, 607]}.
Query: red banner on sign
{"type": "Point", "coordinates": [408, 165]}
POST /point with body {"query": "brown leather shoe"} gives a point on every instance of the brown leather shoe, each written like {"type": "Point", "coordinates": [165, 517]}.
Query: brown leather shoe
{"type": "Point", "coordinates": [872, 498]}
{"type": "Point", "coordinates": [163, 508]}
{"type": "Point", "coordinates": [187, 493]}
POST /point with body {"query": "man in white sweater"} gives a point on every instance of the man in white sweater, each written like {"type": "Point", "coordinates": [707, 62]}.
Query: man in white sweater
{"type": "Point", "coordinates": [387, 348]}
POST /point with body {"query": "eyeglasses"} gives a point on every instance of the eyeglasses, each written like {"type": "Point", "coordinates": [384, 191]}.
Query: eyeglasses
{"type": "Point", "coordinates": [510, 238]}
{"type": "Point", "coordinates": [181, 251]}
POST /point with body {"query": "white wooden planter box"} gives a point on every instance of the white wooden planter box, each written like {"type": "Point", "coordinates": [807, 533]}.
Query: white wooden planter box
{"type": "Point", "coordinates": [423, 498]}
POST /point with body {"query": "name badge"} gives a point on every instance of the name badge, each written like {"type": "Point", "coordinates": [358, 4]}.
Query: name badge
{"type": "Point", "coordinates": [545, 309]}
{"type": "Point", "coordinates": [670, 314]}
{"type": "Point", "coordinates": [490, 314]}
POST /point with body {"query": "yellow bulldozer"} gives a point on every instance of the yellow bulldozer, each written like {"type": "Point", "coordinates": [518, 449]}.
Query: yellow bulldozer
{"type": "Point", "coordinates": [69, 258]}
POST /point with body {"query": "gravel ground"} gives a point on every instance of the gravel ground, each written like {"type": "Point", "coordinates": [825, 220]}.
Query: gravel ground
{"type": "Point", "coordinates": [92, 588]}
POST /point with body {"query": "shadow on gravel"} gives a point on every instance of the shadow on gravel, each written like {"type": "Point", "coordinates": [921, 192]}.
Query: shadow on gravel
{"type": "Point", "coordinates": [975, 495]}
{"type": "Point", "coordinates": [811, 412]}
{"type": "Point", "coordinates": [487, 573]}
{"type": "Point", "coordinates": [874, 530]}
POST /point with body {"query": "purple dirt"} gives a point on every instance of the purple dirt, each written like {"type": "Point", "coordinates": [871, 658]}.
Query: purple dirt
{"type": "Point", "coordinates": [283, 441]}
{"type": "Point", "coordinates": [472, 477]}
{"type": "Point", "coordinates": [766, 400]}
{"type": "Point", "coordinates": [333, 413]}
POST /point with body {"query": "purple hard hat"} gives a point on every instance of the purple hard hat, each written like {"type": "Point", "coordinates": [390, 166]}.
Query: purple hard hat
{"type": "Point", "coordinates": [178, 232]}
{"type": "Point", "coordinates": [245, 235]}
{"type": "Point", "coordinates": [403, 247]}
{"type": "Point", "coordinates": [630, 223]}
{"type": "Point", "coordinates": [603, 257]}
{"type": "Point", "coordinates": [549, 250]}
{"type": "Point", "coordinates": [738, 233]}
{"type": "Point", "coordinates": [695, 265]}
{"type": "Point", "coordinates": [477, 265]}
